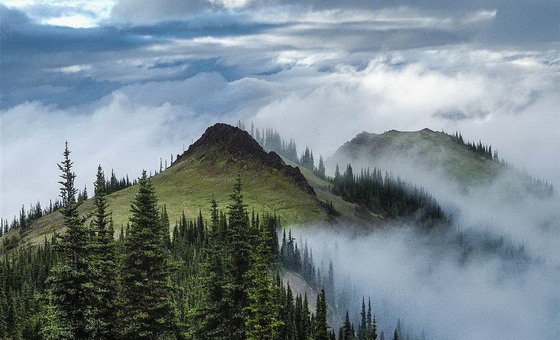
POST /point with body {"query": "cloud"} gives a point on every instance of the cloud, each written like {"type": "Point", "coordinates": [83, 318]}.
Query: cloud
{"type": "Point", "coordinates": [489, 90]}
{"type": "Point", "coordinates": [433, 291]}
{"type": "Point", "coordinates": [502, 98]}
{"type": "Point", "coordinates": [78, 13]}
{"type": "Point", "coordinates": [149, 11]}
{"type": "Point", "coordinates": [238, 43]}
{"type": "Point", "coordinates": [118, 134]}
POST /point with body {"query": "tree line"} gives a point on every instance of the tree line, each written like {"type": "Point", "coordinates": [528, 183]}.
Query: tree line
{"type": "Point", "coordinates": [386, 195]}
{"type": "Point", "coordinates": [35, 211]}
{"type": "Point", "coordinates": [272, 140]}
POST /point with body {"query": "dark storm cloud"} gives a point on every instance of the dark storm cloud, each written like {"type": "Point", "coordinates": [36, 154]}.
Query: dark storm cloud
{"type": "Point", "coordinates": [30, 51]}
{"type": "Point", "coordinates": [528, 22]}
{"type": "Point", "coordinates": [33, 55]}
{"type": "Point", "coordinates": [23, 37]}
{"type": "Point", "coordinates": [191, 29]}
{"type": "Point", "coordinates": [153, 11]}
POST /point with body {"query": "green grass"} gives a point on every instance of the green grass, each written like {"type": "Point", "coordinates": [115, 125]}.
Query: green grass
{"type": "Point", "coordinates": [437, 150]}
{"type": "Point", "coordinates": [323, 190]}
{"type": "Point", "coordinates": [190, 185]}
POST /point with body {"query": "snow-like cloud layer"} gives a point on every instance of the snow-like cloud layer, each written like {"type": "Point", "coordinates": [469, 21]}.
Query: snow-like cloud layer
{"type": "Point", "coordinates": [434, 291]}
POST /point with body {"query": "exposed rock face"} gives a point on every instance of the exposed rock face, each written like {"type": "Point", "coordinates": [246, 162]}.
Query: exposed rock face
{"type": "Point", "coordinates": [222, 140]}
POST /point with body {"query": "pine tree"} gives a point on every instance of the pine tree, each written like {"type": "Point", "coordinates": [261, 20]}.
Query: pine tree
{"type": "Point", "coordinates": [321, 325]}
{"type": "Point", "coordinates": [238, 263]}
{"type": "Point", "coordinates": [3, 308]}
{"type": "Point", "coordinates": [147, 311]}
{"type": "Point", "coordinates": [362, 327]}
{"type": "Point", "coordinates": [347, 331]}
{"type": "Point", "coordinates": [262, 313]}
{"type": "Point", "coordinates": [396, 335]}
{"type": "Point", "coordinates": [370, 322]}
{"type": "Point", "coordinates": [321, 169]}
{"type": "Point", "coordinates": [208, 321]}
{"type": "Point", "coordinates": [329, 286]}
{"type": "Point", "coordinates": [373, 331]}
{"type": "Point", "coordinates": [55, 322]}
{"type": "Point", "coordinates": [103, 264]}
{"type": "Point", "coordinates": [70, 290]}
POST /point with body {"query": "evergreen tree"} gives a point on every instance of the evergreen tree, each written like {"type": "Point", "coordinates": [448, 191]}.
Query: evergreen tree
{"type": "Point", "coordinates": [329, 286]}
{"type": "Point", "coordinates": [55, 322]}
{"type": "Point", "coordinates": [321, 169]}
{"type": "Point", "coordinates": [70, 289]}
{"type": "Point", "coordinates": [3, 309]}
{"type": "Point", "coordinates": [210, 314]}
{"type": "Point", "coordinates": [239, 245]}
{"type": "Point", "coordinates": [262, 313]}
{"type": "Point", "coordinates": [147, 311]}
{"type": "Point", "coordinates": [103, 264]}
{"type": "Point", "coordinates": [362, 327]}
{"type": "Point", "coordinates": [382, 335]}
{"type": "Point", "coordinates": [396, 335]}
{"type": "Point", "coordinates": [370, 322]}
{"type": "Point", "coordinates": [347, 330]}
{"type": "Point", "coordinates": [321, 325]}
{"type": "Point", "coordinates": [373, 331]}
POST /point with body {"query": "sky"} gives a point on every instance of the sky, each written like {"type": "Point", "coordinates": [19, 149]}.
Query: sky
{"type": "Point", "coordinates": [127, 82]}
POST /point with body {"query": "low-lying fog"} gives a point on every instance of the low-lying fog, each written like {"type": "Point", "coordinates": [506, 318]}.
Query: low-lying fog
{"type": "Point", "coordinates": [432, 291]}
{"type": "Point", "coordinates": [449, 290]}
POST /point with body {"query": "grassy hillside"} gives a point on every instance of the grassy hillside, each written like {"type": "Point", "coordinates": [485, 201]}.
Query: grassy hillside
{"type": "Point", "coordinates": [206, 172]}
{"type": "Point", "coordinates": [348, 212]}
{"type": "Point", "coordinates": [426, 148]}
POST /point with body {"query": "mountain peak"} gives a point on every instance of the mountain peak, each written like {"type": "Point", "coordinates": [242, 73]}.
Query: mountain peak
{"type": "Point", "coordinates": [229, 139]}
{"type": "Point", "coordinates": [223, 141]}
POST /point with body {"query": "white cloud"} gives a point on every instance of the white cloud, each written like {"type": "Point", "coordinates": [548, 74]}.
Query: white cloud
{"type": "Point", "coordinates": [74, 21]}
{"type": "Point", "coordinates": [428, 286]}
{"type": "Point", "coordinates": [117, 134]}
{"type": "Point", "coordinates": [76, 14]}
{"type": "Point", "coordinates": [74, 68]}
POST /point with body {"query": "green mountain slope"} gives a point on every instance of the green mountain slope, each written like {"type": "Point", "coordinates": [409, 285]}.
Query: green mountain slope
{"type": "Point", "coordinates": [209, 169]}
{"type": "Point", "coordinates": [440, 163]}
{"type": "Point", "coordinates": [436, 151]}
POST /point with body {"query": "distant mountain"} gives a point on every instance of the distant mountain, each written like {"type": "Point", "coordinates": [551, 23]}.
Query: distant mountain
{"type": "Point", "coordinates": [433, 159]}
{"type": "Point", "coordinates": [207, 170]}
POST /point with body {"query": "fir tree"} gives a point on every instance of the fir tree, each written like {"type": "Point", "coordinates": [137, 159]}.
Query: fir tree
{"type": "Point", "coordinates": [321, 169]}
{"type": "Point", "coordinates": [238, 264]}
{"type": "Point", "coordinates": [347, 331]}
{"type": "Point", "coordinates": [55, 322]}
{"type": "Point", "coordinates": [362, 327]}
{"type": "Point", "coordinates": [370, 322]}
{"type": "Point", "coordinates": [103, 264]}
{"type": "Point", "coordinates": [210, 315]}
{"type": "Point", "coordinates": [147, 311]}
{"type": "Point", "coordinates": [373, 330]}
{"type": "Point", "coordinates": [321, 325]}
{"type": "Point", "coordinates": [382, 335]}
{"type": "Point", "coordinates": [262, 313]}
{"type": "Point", "coordinates": [70, 289]}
